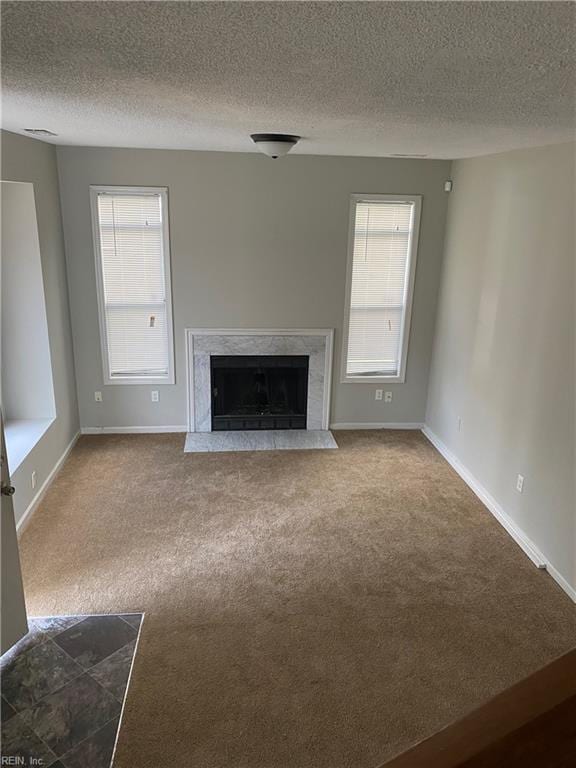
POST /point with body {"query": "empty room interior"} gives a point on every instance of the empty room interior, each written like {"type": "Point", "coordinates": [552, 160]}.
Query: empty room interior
{"type": "Point", "coordinates": [287, 384]}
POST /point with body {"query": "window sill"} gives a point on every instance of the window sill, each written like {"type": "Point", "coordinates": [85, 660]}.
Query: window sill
{"type": "Point", "coordinates": [21, 436]}
{"type": "Point", "coordinates": [150, 380]}
{"type": "Point", "coordinates": [372, 380]}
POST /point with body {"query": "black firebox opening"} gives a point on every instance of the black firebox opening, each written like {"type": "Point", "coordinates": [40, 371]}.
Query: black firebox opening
{"type": "Point", "coordinates": [259, 391]}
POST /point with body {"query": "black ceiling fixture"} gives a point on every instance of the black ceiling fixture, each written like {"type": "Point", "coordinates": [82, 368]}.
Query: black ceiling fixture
{"type": "Point", "coordinates": [274, 144]}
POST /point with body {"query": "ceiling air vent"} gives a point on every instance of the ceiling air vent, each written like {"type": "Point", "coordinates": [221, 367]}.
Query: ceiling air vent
{"type": "Point", "coordinates": [40, 132]}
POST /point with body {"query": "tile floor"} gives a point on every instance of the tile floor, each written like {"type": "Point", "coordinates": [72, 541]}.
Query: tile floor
{"type": "Point", "coordinates": [63, 686]}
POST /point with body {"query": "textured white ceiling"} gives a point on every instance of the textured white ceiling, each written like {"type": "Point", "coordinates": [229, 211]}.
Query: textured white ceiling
{"type": "Point", "coordinates": [445, 79]}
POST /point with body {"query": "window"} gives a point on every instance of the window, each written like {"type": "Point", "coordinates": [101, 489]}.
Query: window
{"type": "Point", "coordinates": [381, 268]}
{"type": "Point", "coordinates": [133, 278]}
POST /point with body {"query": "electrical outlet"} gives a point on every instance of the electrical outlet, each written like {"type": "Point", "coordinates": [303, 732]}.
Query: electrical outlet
{"type": "Point", "coordinates": [388, 397]}
{"type": "Point", "coordinates": [155, 395]}
{"type": "Point", "coordinates": [33, 479]}
{"type": "Point", "coordinates": [378, 395]}
{"type": "Point", "coordinates": [98, 397]}
{"type": "Point", "coordinates": [520, 483]}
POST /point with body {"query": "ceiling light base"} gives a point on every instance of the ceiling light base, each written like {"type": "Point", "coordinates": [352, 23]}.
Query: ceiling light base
{"type": "Point", "coordinates": [274, 145]}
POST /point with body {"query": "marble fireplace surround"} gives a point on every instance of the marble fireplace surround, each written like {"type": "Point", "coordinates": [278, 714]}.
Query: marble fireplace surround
{"type": "Point", "coordinates": [317, 343]}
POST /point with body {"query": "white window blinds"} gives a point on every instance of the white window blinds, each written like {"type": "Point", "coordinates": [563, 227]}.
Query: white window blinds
{"type": "Point", "coordinates": [379, 287]}
{"type": "Point", "coordinates": [133, 262]}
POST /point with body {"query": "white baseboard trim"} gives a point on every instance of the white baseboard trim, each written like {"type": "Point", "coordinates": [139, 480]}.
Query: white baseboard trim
{"type": "Point", "coordinates": [561, 581]}
{"type": "Point", "coordinates": [376, 425]}
{"type": "Point", "coordinates": [514, 530]}
{"type": "Point", "coordinates": [35, 503]}
{"type": "Point", "coordinates": [131, 430]}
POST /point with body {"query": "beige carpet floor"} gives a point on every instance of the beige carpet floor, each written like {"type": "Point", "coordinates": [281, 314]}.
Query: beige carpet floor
{"type": "Point", "coordinates": [304, 609]}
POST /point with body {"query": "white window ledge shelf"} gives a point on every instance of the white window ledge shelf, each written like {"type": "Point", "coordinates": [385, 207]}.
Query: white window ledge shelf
{"type": "Point", "coordinates": [21, 437]}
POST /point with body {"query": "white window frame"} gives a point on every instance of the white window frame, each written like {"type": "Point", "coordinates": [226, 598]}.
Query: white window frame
{"type": "Point", "coordinates": [400, 378]}
{"type": "Point", "coordinates": [95, 190]}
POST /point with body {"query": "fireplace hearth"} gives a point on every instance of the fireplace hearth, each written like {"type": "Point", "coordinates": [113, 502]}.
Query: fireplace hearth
{"type": "Point", "coordinates": [251, 392]}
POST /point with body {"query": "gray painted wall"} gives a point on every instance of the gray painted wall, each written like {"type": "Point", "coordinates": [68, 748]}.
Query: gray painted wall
{"type": "Point", "coordinates": [25, 159]}
{"type": "Point", "coordinates": [27, 388]}
{"type": "Point", "coordinates": [254, 243]}
{"type": "Point", "coordinates": [504, 348]}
